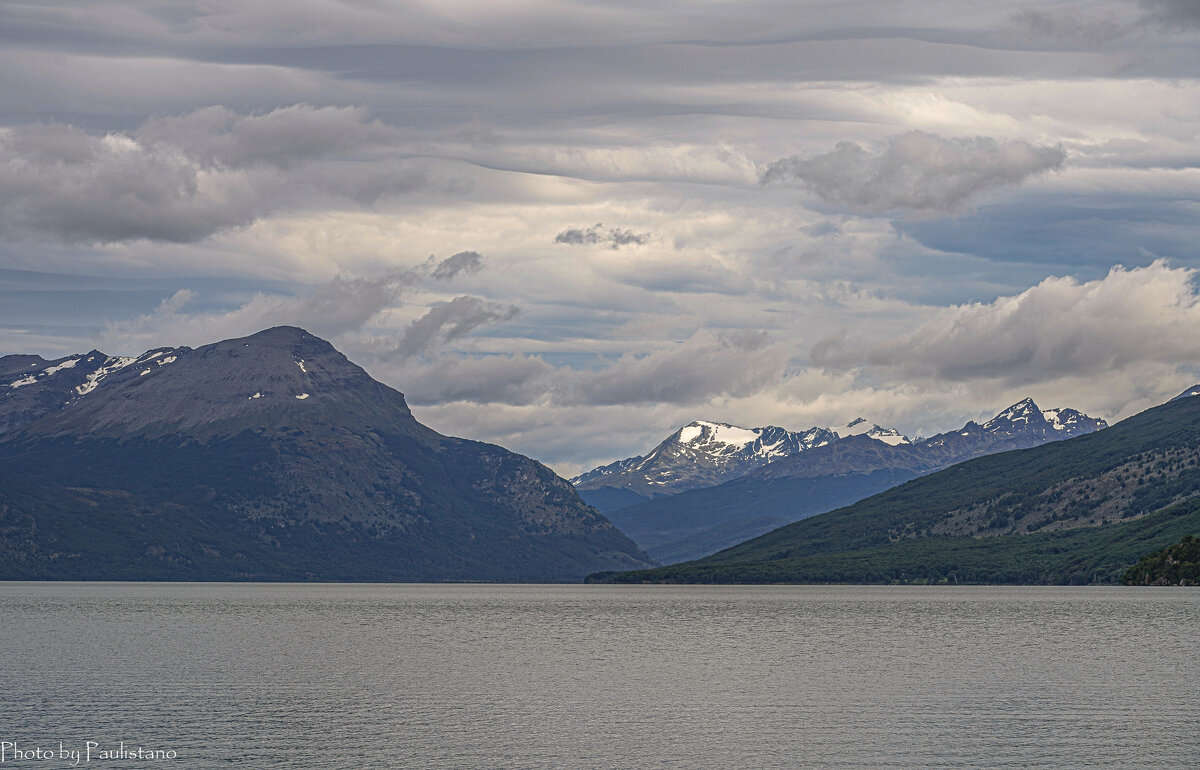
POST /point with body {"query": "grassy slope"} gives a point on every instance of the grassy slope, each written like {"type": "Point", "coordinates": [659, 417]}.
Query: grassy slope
{"type": "Point", "coordinates": [884, 538]}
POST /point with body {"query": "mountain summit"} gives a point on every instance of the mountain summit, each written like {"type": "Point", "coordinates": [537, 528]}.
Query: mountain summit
{"type": "Point", "coordinates": [270, 457]}
{"type": "Point", "coordinates": [700, 454]}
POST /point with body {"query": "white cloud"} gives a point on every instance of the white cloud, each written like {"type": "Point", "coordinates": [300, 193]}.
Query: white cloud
{"type": "Point", "coordinates": [1060, 328]}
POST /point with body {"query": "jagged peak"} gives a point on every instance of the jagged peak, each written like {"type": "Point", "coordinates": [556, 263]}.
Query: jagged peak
{"type": "Point", "coordinates": [1024, 411]}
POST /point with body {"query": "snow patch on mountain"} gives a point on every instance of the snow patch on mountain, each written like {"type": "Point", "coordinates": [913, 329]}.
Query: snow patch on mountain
{"type": "Point", "coordinates": [112, 364]}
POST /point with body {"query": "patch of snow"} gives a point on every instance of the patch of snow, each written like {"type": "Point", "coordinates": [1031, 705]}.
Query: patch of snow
{"type": "Point", "coordinates": [302, 396]}
{"type": "Point", "coordinates": [891, 438]}
{"type": "Point", "coordinates": [28, 379]}
{"type": "Point", "coordinates": [256, 395]}
{"type": "Point", "coordinates": [300, 364]}
{"type": "Point", "coordinates": [690, 434]}
{"type": "Point", "coordinates": [110, 365]}
{"type": "Point", "coordinates": [1052, 417]}
{"type": "Point", "coordinates": [68, 364]}
{"type": "Point", "coordinates": [145, 372]}
{"type": "Point", "coordinates": [732, 435]}
{"type": "Point", "coordinates": [167, 360]}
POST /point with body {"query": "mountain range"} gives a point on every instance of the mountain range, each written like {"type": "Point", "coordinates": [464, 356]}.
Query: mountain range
{"type": "Point", "coordinates": [1077, 511]}
{"type": "Point", "coordinates": [791, 477]}
{"type": "Point", "coordinates": [704, 454]}
{"type": "Point", "coordinates": [270, 457]}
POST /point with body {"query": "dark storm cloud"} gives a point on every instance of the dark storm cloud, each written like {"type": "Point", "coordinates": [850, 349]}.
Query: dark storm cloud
{"type": "Point", "coordinates": [916, 171]}
{"type": "Point", "coordinates": [612, 237]}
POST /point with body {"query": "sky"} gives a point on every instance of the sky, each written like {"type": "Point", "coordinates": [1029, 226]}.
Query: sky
{"type": "Point", "coordinates": [570, 228]}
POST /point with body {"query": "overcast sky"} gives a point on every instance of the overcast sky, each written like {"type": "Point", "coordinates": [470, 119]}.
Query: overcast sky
{"type": "Point", "coordinates": [571, 227]}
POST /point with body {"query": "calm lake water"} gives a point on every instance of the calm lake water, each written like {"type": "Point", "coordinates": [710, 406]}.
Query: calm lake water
{"type": "Point", "coordinates": [462, 676]}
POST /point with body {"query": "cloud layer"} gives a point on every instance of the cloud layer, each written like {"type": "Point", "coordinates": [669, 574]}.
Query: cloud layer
{"type": "Point", "coordinates": [916, 171]}
{"type": "Point", "coordinates": [803, 212]}
{"type": "Point", "coordinates": [185, 178]}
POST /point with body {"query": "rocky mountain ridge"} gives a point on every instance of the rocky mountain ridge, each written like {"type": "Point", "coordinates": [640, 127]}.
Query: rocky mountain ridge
{"type": "Point", "coordinates": [704, 454]}
{"type": "Point", "coordinates": [839, 472]}
{"type": "Point", "coordinates": [270, 457]}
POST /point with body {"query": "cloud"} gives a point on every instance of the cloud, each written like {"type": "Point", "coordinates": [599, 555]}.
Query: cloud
{"type": "Point", "coordinates": [185, 178]}
{"type": "Point", "coordinates": [450, 321]}
{"type": "Point", "coordinates": [1059, 328]}
{"type": "Point", "coordinates": [703, 367]}
{"type": "Point", "coordinates": [462, 262]}
{"type": "Point", "coordinates": [612, 237]}
{"type": "Point", "coordinates": [338, 307]}
{"type": "Point", "coordinates": [216, 137]}
{"type": "Point", "coordinates": [1172, 13]}
{"type": "Point", "coordinates": [1039, 24]}
{"type": "Point", "coordinates": [515, 380]}
{"type": "Point", "coordinates": [916, 171]}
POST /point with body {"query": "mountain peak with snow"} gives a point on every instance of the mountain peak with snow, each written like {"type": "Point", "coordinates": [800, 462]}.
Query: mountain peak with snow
{"type": "Point", "coordinates": [859, 426]}
{"type": "Point", "coordinates": [704, 453]}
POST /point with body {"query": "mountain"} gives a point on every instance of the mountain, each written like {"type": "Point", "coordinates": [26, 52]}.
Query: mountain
{"type": "Point", "coordinates": [32, 387]}
{"type": "Point", "coordinates": [270, 457]}
{"type": "Point", "coordinates": [827, 476]}
{"type": "Point", "coordinates": [704, 454]}
{"type": "Point", "coordinates": [1074, 511]}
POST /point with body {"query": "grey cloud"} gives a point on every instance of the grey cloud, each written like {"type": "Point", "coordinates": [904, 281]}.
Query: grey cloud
{"type": "Point", "coordinates": [917, 171]}
{"type": "Point", "coordinates": [462, 262]}
{"type": "Point", "coordinates": [1172, 13]}
{"type": "Point", "coordinates": [703, 367]}
{"type": "Point", "coordinates": [612, 237]}
{"type": "Point", "coordinates": [338, 307]}
{"type": "Point", "coordinates": [514, 380]}
{"type": "Point", "coordinates": [1043, 25]}
{"type": "Point", "coordinates": [283, 137]}
{"type": "Point", "coordinates": [183, 179]}
{"type": "Point", "coordinates": [450, 321]}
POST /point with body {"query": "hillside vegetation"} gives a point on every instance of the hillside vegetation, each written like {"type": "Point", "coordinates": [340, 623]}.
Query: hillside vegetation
{"type": "Point", "coordinates": [1081, 510]}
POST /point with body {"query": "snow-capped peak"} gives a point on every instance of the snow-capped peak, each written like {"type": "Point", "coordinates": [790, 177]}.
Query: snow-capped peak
{"type": "Point", "coordinates": [860, 427]}
{"type": "Point", "coordinates": [1021, 412]}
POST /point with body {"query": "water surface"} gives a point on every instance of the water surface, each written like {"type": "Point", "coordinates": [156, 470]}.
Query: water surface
{"type": "Point", "coordinates": [450, 676]}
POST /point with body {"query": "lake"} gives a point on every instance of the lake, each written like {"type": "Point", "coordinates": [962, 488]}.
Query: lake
{"type": "Point", "coordinates": [582, 676]}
